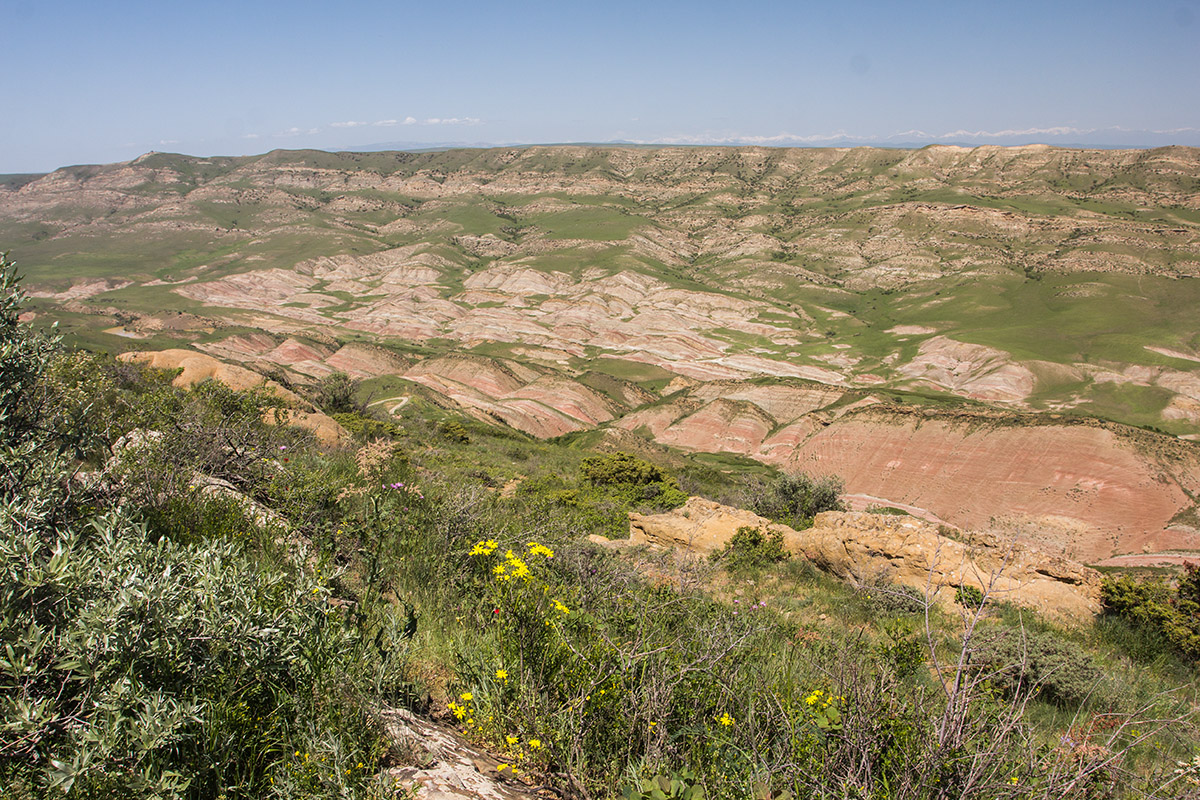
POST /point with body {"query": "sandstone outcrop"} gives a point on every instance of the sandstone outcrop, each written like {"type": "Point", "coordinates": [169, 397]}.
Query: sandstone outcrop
{"type": "Point", "coordinates": [865, 547]}
{"type": "Point", "coordinates": [199, 367]}
{"type": "Point", "coordinates": [702, 526]}
{"type": "Point", "coordinates": [868, 548]}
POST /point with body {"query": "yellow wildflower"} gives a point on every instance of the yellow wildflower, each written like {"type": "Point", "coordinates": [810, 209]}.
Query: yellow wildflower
{"type": "Point", "coordinates": [502, 675]}
{"type": "Point", "coordinates": [467, 696]}
{"type": "Point", "coordinates": [520, 570]}
{"type": "Point", "coordinates": [511, 740]}
{"type": "Point", "coordinates": [502, 767]}
{"type": "Point", "coordinates": [535, 743]}
{"type": "Point", "coordinates": [484, 548]}
{"type": "Point", "coordinates": [560, 607]}
{"type": "Point", "coordinates": [725, 719]}
{"type": "Point", "coordinates": [536, 549]}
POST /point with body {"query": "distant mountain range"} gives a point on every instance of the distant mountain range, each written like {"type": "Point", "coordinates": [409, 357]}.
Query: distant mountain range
{"type": "Point", "coordinates": [1070, 137]}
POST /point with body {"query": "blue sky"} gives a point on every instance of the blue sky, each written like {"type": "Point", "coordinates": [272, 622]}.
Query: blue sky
{"type": "Point", "coordinates": [87, 82]}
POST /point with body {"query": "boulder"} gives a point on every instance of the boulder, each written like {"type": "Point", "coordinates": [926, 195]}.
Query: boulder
{"type": "Point", "coordinates": [702, 526]}
{"type": "Point", "coordinates": [865, 548]}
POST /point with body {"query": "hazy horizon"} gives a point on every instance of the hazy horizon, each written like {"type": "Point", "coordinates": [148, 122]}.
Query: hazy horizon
{"type": "Point", "coordinates": [99, 84]}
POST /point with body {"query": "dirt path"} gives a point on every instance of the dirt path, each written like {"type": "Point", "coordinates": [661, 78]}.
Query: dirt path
{"type": "Point", "coordinates": [1150, 560]}
{"type": "Point", "coordinates": [403, 402]}
{"type": "Point", "coordinates": [861, 502]}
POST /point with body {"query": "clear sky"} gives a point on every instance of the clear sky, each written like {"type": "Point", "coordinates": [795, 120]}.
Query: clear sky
{"type": "Point", "coordinates": [86, 82]}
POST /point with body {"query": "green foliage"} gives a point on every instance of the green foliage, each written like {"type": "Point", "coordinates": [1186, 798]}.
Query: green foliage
{"type": "Point", "coordinates": [967, 596]}
{"type": "Point", "coordinates": [177, 665]}
{"type": "Point", "coordinates": [25, 357]}
{"type": "Point", "coordinates": [751, 548]}
{"type": "Point", "coordinates": [1172, 612]}
{"type": "Point", "coordinates": [455, 432]}
{"type": "Point", "coordinates": [902, 648]}
{"type": "Point", "coordinates": [633, 478]}
{"type": "Point", "coordinates": [336, 394]}
{"type": "Point", "coordinates": [796, 498]}
{"type": "Point", "coordinates": [620, 469]}
{"type": "Point", "coordinates": [184, 657]}
{"type": "Point", "coordinates": [364, 428]}
{"type": "Point", "coordinates": [682, 785]}
{"type": "Point", "coordinates": [1040, 663]}
{"type": "Point", "coordinates": [892, 598]}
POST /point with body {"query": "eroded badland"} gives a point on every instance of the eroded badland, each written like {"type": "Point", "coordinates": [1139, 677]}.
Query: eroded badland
{"type": "Point", "coordinates": [991, 338]}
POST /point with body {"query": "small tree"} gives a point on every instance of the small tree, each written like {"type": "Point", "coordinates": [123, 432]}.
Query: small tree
{"type": "Point", "coordinates": [335, 394]}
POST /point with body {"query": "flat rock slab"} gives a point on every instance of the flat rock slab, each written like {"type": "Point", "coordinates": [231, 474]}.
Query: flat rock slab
{"type": "Point", "coordinates": [459, 770]}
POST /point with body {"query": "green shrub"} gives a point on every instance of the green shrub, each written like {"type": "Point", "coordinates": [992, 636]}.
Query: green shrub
{"type": "Point", "coordinates": [621, 469]}
{"type": "Point", "coordinates": [1171, 611]}
{"type": "Point", "coordinates": [1041, 663]}
{"type": "Point", "coordinates": [630, 481]}
{"type": "Point", "coordinates": [903, 648]}
{"type": "Point", "coordinates": [968, 596]}
{"type": "Point", "coordinates": [173, 660]}
{"type": "Point", "coordinates": [751, 548]}
{"type": "Point", "coordinates": [137, 665]}
{"type": "Point", "coordinates": [795, 499]}
{"type": "Point", "coordinates": [365, 428]}
{"type": "Point", "coordinates": [892, 598]}
{"type": "Point", "coordinates": [455, 432]}
{"type": "Point", "coordinates": [336, 394]}
{"type": "Point", "coordinates": [25, 357]}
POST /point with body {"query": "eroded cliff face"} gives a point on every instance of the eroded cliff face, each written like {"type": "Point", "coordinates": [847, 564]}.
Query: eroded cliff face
{"type": "Point", "coordinates": [1086, 491]}
{"type": "Point", "coordinates": [1078, 488]}
{"type": "Point", "coordinates": [1082, 489]}
{"type": "Point", "coordinates": [870, 549]}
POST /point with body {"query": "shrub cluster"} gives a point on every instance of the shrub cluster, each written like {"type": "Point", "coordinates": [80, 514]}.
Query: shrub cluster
{"type": "Point", "coordinates": [1039, 663]}
{"type": "Point", "coordinates": [155, 641]}
{"type": "Point", "coordinates": [1172, 611]}
{"type": "Point", "coordinates": [634, 477]}
{"type": "Point", "coordinates": [892, 598]}
{"type": "Point", "coordinates": [751, 548]}
{"type": "Point", "coordinates": [794, 499]}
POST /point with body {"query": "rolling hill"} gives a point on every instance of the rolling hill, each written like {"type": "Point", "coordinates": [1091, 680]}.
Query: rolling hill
{"type": "Point", "coordinates": [989, 337]}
